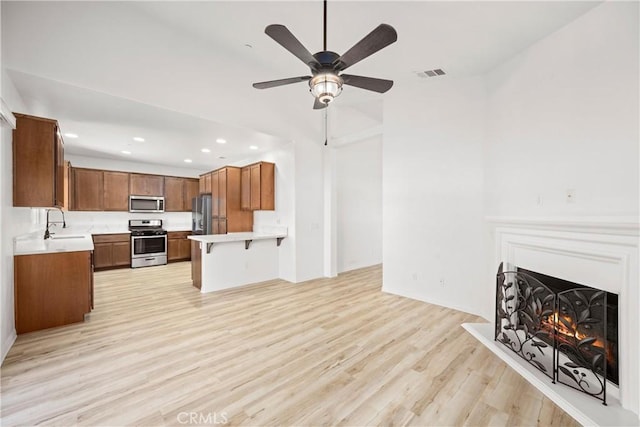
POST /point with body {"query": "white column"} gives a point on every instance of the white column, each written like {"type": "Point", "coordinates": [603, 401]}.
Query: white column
{"type": "Point", "coordinates": [330, 213]}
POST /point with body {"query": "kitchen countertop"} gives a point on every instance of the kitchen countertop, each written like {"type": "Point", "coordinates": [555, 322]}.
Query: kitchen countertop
{"type": "Point", "coordinates": [235, 237]}
{"type": "Point", "coordinates": [34, 243]}
{"type": "Point", "coordinates": [178, 228]}
{"type": "Point", "coordinates": [71, 239]}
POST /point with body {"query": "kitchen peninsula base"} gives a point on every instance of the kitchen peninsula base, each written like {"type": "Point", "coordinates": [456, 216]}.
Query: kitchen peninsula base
{"type": "Point", "coordinates": [235, 259]}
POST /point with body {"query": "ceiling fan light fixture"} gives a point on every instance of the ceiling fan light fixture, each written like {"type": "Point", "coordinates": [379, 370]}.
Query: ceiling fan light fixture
{"type": "Point", "coordinates": [325, 87]}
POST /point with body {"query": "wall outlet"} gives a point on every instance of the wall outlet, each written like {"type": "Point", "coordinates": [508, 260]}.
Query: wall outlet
{"type": "Point", "coordinates": [539, 200]}
{"type": "Point", "coordinates": [571, 196]}
{"type": "Point", "coordinates": [441, 282]}
{"type": "Point", "coordinates": [414, 276]}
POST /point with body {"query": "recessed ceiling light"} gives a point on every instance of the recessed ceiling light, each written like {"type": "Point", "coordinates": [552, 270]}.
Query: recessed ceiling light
{"type": "Point", "coordinates": [205, 150]}
{"type": "Point", "coordinates": [248, 45]}
{"type": "Point", "coordinates": [188, 160]}
{"type": "Point", "coordinates": [253, 147]}
{"type": "Point", "coordinates": [138, 139]}
{"type": "Point", "coordinates": [221, 141]}
{"type": "Point", "coordinates": [222, 157]}
{"type": "Point", "coordinates": [125, 152]}
{"type": "Point", "coordinates": [71, 135]}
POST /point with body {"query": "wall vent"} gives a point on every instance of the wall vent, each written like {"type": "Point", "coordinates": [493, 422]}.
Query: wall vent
{"type": "Point", "coordinates": [431, 73]}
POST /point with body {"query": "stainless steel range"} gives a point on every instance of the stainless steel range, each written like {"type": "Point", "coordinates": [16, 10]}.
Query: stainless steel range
{"type": "Point", "coordinates": [148, 242]}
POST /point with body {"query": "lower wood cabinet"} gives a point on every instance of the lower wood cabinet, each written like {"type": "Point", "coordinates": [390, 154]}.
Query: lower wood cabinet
{"type": "Point", "coordinates": [111, 251]}
{"type": "Point", "coordinates": [52, 289]}
{"type": "Point", "coordinates": [178, 246]}
{"type": "Point", "coordinates": [196, 264]}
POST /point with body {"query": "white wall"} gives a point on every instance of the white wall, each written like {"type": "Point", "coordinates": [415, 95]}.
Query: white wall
{"type": "Point", "coordinates": [299, 207]}
{"type": "Point", "coordinates": [15, 221]}
{"type": "Point", "coordinates": [309, 209]}
{"type": "Point", "coordinates": [563, 115]}
{"type": "Point", "coordinates": [359, 204]}
{"type": "Point", "coordinates": [432, 191]}
{"type": "Point", "coordinates": [284, 213]}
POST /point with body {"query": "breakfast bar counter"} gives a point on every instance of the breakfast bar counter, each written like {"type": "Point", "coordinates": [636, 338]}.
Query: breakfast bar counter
{"type": "Point", "coordinates": [222, 261]}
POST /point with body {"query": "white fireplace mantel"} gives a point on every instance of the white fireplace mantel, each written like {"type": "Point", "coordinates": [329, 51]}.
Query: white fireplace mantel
{"type": "Point", "coordinates": [601, 252]}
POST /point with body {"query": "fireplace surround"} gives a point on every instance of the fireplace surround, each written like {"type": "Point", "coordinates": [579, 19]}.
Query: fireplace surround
{"type": "Point", "coordinates": [600, 251]}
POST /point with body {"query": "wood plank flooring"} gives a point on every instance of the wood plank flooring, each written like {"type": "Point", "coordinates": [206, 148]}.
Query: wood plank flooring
{"type": "Point", "coordinates": [325, 352]}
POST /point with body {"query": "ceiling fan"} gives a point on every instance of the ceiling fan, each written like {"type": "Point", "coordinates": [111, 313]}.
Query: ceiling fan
{"type": "Point", "coordinates": [325, 82]}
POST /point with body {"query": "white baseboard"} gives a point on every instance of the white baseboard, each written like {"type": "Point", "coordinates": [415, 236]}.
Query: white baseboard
{"type": "Point", "coordinates": [7, 344]}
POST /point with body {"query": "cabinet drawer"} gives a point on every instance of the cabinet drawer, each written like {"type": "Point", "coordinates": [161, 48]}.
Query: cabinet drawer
{"type": "Point", "coordinates": [110, 238]}
{"type": "Point", "coordinates": [178, 234]}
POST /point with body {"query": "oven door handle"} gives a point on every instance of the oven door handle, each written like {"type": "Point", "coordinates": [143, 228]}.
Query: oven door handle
{"type": "Point", "coordinates": [157, 236]}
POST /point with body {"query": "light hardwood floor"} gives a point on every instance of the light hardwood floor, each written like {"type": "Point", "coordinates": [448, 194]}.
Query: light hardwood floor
{"type": "Point", "coordinates": [325, 352]}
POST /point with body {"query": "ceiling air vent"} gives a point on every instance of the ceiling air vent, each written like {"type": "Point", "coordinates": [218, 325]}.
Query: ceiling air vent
{"type": "Point", "coordinates": [431, 73]}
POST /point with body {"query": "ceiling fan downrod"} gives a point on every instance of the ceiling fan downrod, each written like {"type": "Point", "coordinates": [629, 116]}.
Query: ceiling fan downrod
{"type": "Point", "coordinates": [324, 45]}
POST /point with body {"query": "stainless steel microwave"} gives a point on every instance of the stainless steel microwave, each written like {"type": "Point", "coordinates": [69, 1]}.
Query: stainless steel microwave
{"type": "Point", "coordinates": [146, 204]}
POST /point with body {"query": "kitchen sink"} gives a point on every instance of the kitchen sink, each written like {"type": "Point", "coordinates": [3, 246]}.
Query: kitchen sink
{"type": "Point", "coordinates": [66, 237]}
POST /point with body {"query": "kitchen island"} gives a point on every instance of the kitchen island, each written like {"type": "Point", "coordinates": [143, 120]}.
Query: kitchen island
{"type": "Point", "coordinates": [222, 261]}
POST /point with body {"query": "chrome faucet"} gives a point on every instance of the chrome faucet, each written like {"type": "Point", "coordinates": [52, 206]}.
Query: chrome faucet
{"type": "Point", "coordinates": [64, 223]}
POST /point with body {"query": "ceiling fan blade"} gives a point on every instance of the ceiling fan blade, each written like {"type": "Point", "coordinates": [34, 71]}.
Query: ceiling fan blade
{"type": "Point", "coordinates": [382, 36]}
{"type": "Point", "coordinates": [368, 83]}
{"type": "Point", "coordinates": [281, 82]}
{"type": "Point", "coordinates": [317, 105]}
{"type": "Point", "coordinates": [286, 39]}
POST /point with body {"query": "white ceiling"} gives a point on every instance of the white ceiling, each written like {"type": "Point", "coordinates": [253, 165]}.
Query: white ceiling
{"type": "Point", "coordinates": [179, 74]}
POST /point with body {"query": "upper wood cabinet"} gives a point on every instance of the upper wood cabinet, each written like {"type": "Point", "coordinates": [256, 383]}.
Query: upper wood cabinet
{"type": "Point", "coordinates": [88, 189]}
{"type": "Point", "coordinates": [66, 191]}
{"type": "Point", "coordinates": [178, 193]}
{"type": "Point", "coordinates": [38, 162]}
{"type": "Point", "coordinates": [222, 191]}
{"type": "Point", "coordinates": [190, 190]}
{"type": "Point", "coordinates": [98, 190]}
{"type": "Point", "coordinates": [245, 184]}
{"type": "Point", "coordinates": [258, 187]}
{"type": "Point", "coordinates": [146, 185]}
{"type": "Point", "coordinates": [205, 183]}
{"type": "Point", "coordinates": [116, 191]}
{"type": "Point", "coordinates": [225, 198]}
{"type": "Point", "coordinates": [215, 193]}
{"type": "Point", "coordinates": [173, 194]}
{"type": "Point", "coordinates": [101, 190]}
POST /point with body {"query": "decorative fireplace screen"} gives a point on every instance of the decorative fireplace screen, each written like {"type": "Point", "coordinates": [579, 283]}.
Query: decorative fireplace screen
{"type": "Point", "coordinates": [562, 331]}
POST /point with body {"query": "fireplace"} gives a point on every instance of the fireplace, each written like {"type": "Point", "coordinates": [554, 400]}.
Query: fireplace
{"type": "Point", "coordinates": [566, 330]}
{"type": "Point", "coordinates": [602, 252]}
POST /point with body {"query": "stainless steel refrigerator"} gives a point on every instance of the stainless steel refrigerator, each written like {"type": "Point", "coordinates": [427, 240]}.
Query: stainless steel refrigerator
{"type": "Point", "coordinates": [201, 214]}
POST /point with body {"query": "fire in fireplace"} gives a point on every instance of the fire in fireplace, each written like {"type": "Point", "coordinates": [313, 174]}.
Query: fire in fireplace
{"type": "Point", "coordinates": [566, 330]}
